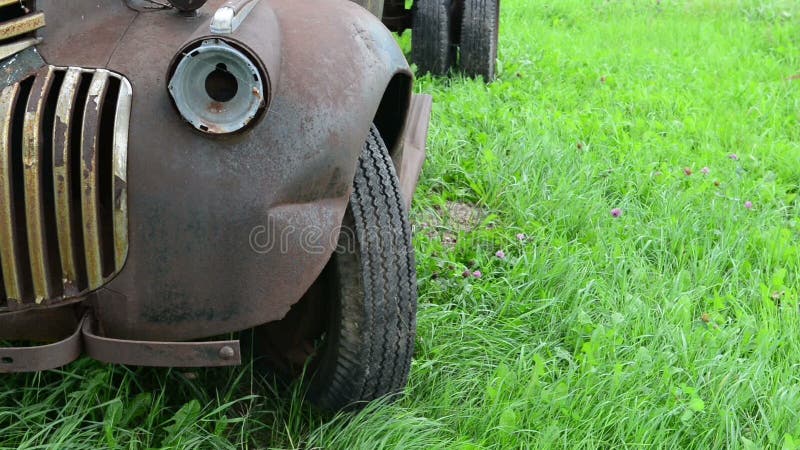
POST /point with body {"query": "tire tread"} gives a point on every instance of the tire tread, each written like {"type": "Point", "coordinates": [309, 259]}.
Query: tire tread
{"type": "Point", "coordinates": [479, 33]}
{"type": "Point", "coordinates": [373, 358]}
{"type": "Point", "coordinates": [431, 46]}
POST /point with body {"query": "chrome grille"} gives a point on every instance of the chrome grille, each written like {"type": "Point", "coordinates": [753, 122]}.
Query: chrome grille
{"type": "Point", "coordinates": [63, 196]}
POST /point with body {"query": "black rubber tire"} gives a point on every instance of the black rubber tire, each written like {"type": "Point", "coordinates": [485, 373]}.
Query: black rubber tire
{"type": "Point", "coordinates": [369, 337]}
{"type": "Point", "coordinates": [432, 47]}
{"type": "Point", "coordinates": [480, 28]}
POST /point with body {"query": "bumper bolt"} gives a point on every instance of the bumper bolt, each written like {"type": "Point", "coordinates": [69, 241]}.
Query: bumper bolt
{"type": "Point", "coordinates": [227, 353]}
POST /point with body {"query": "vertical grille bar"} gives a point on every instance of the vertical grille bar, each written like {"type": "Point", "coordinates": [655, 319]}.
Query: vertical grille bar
{"type": "Point", "coordinates": [8, 240]}
{"type": "Point", "coordinates": [26, 24]}
{"type": "Point", "coordinates": [62, 173]}
{"type": "Point", "coordinates": [89, 178]}
{"type": "Point", "coordinates": [120, 173]}
{"type": "Point", "coordinates": [32, 169]}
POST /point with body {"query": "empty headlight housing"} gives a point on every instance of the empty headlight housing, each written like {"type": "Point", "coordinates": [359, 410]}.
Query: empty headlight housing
{"type": "Point", "coordinates": [217, 87]}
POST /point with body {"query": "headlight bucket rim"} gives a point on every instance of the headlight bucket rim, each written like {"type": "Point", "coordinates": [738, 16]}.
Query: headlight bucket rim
{"type": "Point", "coordinates": [250, 58]}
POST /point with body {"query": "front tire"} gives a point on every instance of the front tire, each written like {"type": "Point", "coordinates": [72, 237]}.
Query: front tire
{"type": "Point", "coordinates": [373, 325]}
{"type": "Point", "coordinates": [354, 330]}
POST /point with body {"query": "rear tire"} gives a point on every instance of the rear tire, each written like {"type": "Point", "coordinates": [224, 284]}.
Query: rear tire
{"type": "Point", "coordinates": [479, 36]}
{"type": "Point", "coordinates": [432, 46]}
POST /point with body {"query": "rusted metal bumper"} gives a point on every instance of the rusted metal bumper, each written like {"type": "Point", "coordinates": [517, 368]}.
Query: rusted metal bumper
{"type": "Point", "coordinates": [44, 357]}
{"type": "Point", "coordinates": [84, 339]}
{"type": "Point", "coordinates": [159, 354]}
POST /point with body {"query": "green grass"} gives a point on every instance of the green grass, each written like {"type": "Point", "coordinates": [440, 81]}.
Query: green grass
{"type": "Point", "coordinates": [675, 325]}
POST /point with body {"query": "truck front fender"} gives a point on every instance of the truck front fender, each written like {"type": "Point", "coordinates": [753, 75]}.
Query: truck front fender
{"type": "Point", "coordinates": [226, 233]}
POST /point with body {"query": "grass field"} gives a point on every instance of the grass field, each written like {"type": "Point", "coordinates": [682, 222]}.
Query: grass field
{"type": "Point", "coordinates": [674, 324]}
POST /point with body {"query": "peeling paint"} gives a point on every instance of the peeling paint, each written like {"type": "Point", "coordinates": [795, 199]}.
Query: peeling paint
{"type": "Point", "coordinates": [57, 281]}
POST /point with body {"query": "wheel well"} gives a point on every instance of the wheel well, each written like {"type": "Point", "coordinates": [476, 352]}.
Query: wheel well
{"type": "Point", "coordinates": [392, 111]}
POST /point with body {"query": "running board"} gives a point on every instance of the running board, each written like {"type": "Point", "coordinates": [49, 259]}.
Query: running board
{"type": "Point", "coordinates": [416, 137]}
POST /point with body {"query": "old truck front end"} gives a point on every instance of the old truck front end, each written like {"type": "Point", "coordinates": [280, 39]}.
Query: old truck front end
{"type": "Point", "coordinates": [145, 148]}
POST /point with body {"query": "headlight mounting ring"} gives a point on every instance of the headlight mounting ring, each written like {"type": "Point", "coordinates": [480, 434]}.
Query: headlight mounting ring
{"type": "Point", "coordinates": [218, 87]}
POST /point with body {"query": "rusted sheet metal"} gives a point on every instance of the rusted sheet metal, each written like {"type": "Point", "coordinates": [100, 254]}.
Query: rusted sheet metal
{"type": "Point", "coordinates": [45, 357]}
{"type": "Point", "coordinates": [90, 141]}
{"type": "Point", "coordinates": [25, 24]}
{"type": "Point", "coordinates": [32, 162]}
{"type": "Point", "coordinates": [419, 117]}
{"type": "Point", "coordinates": [198, 207]}
{"type": "Point", "coordinates": [122, 120]}
{"type": "Point", "coordinates": [196, 202]}
{"type": "Point", "coordinates": [62, 175]}
{"type": "Point", "coordinates": [160, 354]}
{"type": "Point", "coordinates": [9, 243]}
{"type": "Point", "coordinates": [86, 34]}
